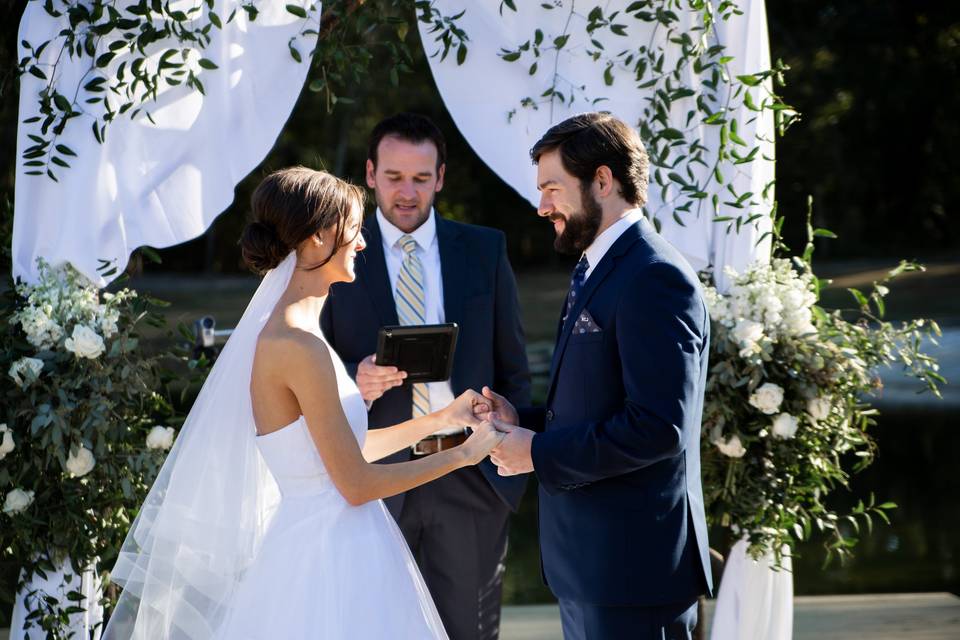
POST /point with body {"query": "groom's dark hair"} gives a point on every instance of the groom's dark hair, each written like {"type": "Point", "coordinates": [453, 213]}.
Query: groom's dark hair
{"type": "Point", "coordinates": [411, 127]}
{"type": "Point", "coordinates": [590, 140]}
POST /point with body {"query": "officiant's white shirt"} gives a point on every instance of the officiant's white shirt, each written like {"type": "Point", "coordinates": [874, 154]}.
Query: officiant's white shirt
{"type": "Point", "coordinates": [428, 250]}
{"type": "Point", "coordinates": [602, 243]}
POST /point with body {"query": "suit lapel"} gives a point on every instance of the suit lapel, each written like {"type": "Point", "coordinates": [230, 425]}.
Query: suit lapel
{"type": "Point", "coordinates": [453, 273]}
{"type": "Point", "coordinates": [623, 244]}
{"type": "Point", "coordinates": [373, 267]}
{"type": "Point", "coordinates": [453, 268]}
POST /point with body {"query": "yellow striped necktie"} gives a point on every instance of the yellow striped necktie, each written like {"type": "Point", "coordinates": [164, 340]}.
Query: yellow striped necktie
{"type": "Point", "coordinates": [410, 297]}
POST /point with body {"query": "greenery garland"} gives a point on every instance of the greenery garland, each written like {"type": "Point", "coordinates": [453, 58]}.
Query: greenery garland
{"type": "Point", "coordinates": [680, 43]}
{"type": "Point", "coordinates": [132, 54]}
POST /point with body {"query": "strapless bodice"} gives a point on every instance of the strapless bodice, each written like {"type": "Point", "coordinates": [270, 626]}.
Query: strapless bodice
{"type": "Point", "coordinates": [293, 460]}
{"type": "Point", "coordinates": [290, 452]}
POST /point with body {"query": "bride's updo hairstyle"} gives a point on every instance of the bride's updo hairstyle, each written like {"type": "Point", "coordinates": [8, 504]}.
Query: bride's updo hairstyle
{"type": "Point", "coordinates": [289, 206]}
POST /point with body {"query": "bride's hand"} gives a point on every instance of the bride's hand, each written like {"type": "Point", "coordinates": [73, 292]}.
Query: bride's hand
{"type": "Point", "coordinates": [494, 406]}
{"type": "Point", "coordinates": [463, 411]}
{"type": "Point", "coordinates": [484, 439]}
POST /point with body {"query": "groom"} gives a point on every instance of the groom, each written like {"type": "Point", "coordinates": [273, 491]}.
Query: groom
{"type": "Point", "coordinates": [616, 450]}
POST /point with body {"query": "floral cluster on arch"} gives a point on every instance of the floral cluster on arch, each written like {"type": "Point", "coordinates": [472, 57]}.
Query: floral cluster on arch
{"type": "Point", "coordinates": [787, 404]}
{"type": "Point", "coordinates": [80, 442]}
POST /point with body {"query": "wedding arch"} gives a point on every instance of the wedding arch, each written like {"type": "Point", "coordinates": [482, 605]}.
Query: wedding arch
{"type": "Point", "coordinates": [137, 123]}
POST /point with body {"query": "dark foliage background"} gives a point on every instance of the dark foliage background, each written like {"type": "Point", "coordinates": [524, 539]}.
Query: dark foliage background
{"type": "Point", "coordinates": [875, 80]}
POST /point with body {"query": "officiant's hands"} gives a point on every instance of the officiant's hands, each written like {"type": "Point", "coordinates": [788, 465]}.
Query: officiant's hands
{"type": "Point", "coordinates": [513, 455]}
{"type": "Point", "coordinates": [374, 380]}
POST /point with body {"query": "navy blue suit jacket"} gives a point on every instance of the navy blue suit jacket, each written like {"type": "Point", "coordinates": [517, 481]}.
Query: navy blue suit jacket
{"type": "Point", "coordinates": [479, 294]}
{"type": "Point", "coordinates": [618, 449]}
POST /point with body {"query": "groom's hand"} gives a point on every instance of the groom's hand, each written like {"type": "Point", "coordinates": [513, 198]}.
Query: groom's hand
{"type": "Point", "coordinates": [498, 408]}
{"type": "Point", "coordinates": [513, 455]}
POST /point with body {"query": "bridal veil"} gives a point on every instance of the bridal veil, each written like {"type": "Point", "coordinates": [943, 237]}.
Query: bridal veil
{"type": "Point", "coordinates": [205, 516]}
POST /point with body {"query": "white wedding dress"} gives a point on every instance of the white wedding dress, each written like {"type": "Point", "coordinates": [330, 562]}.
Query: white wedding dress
{"type": "Point", "coordinates": [327, 569]}
{"type": "Point", "coordinates": [247, 538]}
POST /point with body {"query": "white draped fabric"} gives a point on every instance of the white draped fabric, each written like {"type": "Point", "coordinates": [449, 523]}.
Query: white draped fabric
{"type": "Point", "coordinates": [58, 584]}
{"type": "Point", "coordinates": [754, 600]}
{"type": "Point", "coordinates": [151, 184]}
{"type": "Point", "coordinates": [155, 184]}
{"type": "Point", "coordinates": [483, 97]}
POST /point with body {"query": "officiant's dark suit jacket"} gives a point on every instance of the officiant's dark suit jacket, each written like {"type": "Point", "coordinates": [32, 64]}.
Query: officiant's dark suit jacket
{"type": "Point", "coordinates": [618, 453]}
{"type": "Point", "coordinates": [479, 294]}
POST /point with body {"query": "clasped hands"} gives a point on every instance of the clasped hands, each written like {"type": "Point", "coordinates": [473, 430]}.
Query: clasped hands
{"type": "Point", "coordinates": [512, 452]}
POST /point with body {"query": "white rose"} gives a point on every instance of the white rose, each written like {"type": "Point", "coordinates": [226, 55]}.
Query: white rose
{"type": "Point", "coordinates": [85, 342]}
{"type": "Point", "coordinates": [819, 408]}
{"type": "Point", "coordinates": [785, 426]}
{"type": "Point", "coordinates": [747, 332]}
{"type": "Point", "coordinates": [731, 446]}
{"type": "Point", "coordinates": [767, 398]}
{"type": "Point", "coordinates": [17, 500]}
{"type": "Point", "coordinates": [25, 371]}
{"type": "Point", "coordinates": [80, 464]}
{"type": "Point", "coordinates": [160, 437]}
{"type": "Point", "coordinates": [6, 441]}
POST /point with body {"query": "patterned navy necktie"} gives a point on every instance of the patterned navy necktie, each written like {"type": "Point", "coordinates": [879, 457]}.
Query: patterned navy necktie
{"type": "Point", "coordinates": [576, 284]}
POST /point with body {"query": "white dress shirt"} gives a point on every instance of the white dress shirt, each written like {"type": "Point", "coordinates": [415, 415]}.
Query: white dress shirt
{"type": "Point", "coordinates": [428, 250]}
{"type": "Point", "coordinates": [602, 243]}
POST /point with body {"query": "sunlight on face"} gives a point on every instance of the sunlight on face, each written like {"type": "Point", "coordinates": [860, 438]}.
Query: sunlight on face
{"type": "Point", "coordinates": [559, 191]}
{"type": "Point", "coordinates": [574, 212]}
{"type": "Point", "coordinates": [405, 181]}
{"type": "Point", "coordinates": [353, 244]}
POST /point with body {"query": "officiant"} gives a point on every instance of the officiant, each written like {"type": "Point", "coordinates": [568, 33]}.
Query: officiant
{"type": "Point", "coordinates": [420, 268]}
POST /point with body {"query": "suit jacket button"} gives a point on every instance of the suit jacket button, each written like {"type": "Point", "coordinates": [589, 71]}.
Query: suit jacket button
{"type": "Point", "coordinates": [549, 415]}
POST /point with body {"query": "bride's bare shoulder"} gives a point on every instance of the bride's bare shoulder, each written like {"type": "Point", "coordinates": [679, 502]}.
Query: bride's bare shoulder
{"type": "Point", "coordinates": [284, 347]}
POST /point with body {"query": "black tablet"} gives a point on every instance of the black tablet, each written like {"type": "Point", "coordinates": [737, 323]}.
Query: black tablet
{"type": "Point", "coordinates": [424, 351]}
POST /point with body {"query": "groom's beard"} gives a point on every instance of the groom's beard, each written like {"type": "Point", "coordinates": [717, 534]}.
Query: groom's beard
{"type": "Point", "coordinates": [580, 229]}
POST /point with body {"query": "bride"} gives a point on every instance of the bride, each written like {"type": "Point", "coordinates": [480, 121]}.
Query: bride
{"type": "Point", "coordinates": [266, 520]}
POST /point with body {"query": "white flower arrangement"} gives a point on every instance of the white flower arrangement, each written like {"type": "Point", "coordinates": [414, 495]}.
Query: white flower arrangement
{"type": "Point", "coordinates": [74, 423]}
{"type": "Point", "coordinates": [65, 309]}
{"type": "Point", "coordinates": [784, 401]}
